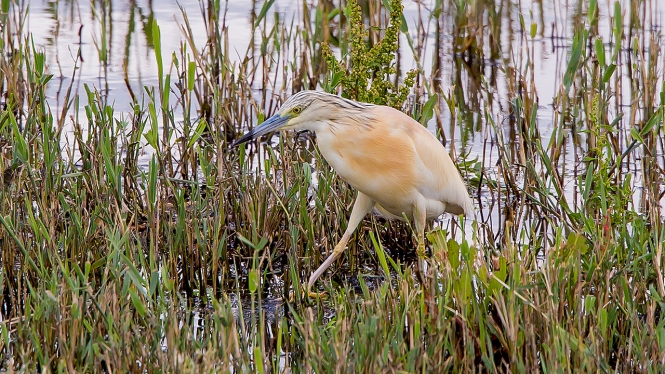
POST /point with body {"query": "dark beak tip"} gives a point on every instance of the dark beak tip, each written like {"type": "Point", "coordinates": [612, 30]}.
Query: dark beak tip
{"type": "Point", "coordinates": [239, 142]}
{"type": "Point", "coordinates": [243, 139]}
{"type": "Point", "coordinates": [270, 125]}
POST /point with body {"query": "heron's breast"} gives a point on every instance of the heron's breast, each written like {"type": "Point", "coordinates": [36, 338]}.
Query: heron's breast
{"type": "Point", "coordinates": [383, 166]}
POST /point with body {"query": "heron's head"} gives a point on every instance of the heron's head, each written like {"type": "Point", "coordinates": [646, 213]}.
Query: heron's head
{"type": "Point", "coordinates": [304, 107]}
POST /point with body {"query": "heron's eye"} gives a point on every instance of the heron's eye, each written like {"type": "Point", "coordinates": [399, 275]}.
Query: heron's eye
{"type": "Point", "coordinates": [297, 110]}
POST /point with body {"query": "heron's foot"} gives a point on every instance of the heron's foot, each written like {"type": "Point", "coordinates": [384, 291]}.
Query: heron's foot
{"type": "Point", "coordinates": [317, 295]}
{"type": "Point", "coordinates": [311, 294]}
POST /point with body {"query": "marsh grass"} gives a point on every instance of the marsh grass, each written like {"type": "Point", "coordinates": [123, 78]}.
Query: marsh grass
{"type": "Point", "coordinates": [181, 260]}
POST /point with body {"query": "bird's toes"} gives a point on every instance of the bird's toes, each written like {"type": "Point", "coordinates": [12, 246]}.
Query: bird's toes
{"type": "Point", "coordinates": [310, 294]}
{"type": "Point", "coordinates": [317, 295]}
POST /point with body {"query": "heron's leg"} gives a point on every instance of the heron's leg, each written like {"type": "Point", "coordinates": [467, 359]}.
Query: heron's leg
{"type": "Point", "coordinates": [361, 207]}
{"type": "Point", "coordinates": [419, 219]}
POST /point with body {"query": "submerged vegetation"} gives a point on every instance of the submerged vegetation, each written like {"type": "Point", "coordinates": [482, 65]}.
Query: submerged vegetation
{"type": "Point", "coordinates": [139, 241]}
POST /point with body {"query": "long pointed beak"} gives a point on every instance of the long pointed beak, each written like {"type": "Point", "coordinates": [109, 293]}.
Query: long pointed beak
{"type": "Point", "coordinates": [273, 123]}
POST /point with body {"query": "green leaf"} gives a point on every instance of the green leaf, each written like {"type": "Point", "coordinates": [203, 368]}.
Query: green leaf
{"type": "Point", "coordinates": [157, 44]}
{"type": "Point", "coordinates": [600, 51]}
{"type": "Point", "coordinates": [636, 135]}
{"type": "Point", "coordinates": [258, 360]}
{"type": "Point", "coordinates": [253, 280]}
{"type": "Point", "coordinates": [264, 10]}
{"type": "Point", "coordinates": [191, 75]}
{"type": "Point", "coordinates": [660, 336]}
{"type": "Point", "coordinates": [608, 73]}
{"type": "Point", "coordinates": [152, 136]}
{"type": "Point", "coordinates": [499, 276]}
{"type": "Point", "coordinates": [617, 30]}
{"type": "Point", "coordinates": [428, 109]}
{"type": "Point", "coordinates": [602, 319]}
{"type": "Point", "coordinates": [5, 334]}
{"type": "Point", "coordinates": [592, 13]}
{"type": "Point", "coordinates": [20, 145]}
{"type": "Point", "coordinates": [378, 247]}
{"type": "Point", "coordinates": [137, 302]}
{"type": "Point", "coordinates": [655, 118]}
{"type": "Point", "coordinates": [200, 128]}
{"type": "Point", "coordinates": [152, 182]}
{"type": "Point", "coordinates": [166, 94]}
{"type": "Point", "coordinates": [255, 247]}
{"type": "Point", "coordinates": [579, 41]}
{"type": "Point", "coordinates": [453, 254]}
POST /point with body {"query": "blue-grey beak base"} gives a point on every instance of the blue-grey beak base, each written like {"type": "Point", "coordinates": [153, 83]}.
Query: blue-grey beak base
{"type": "Point", "coordinates": [273, 123]}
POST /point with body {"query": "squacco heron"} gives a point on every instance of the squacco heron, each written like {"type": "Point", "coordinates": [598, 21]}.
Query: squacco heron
{"type": "Point", "coordinates": [396, 164]}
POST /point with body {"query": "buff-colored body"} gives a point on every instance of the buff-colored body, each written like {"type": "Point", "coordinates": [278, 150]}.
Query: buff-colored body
{"type": "Point", "coordinates": [396, 164]}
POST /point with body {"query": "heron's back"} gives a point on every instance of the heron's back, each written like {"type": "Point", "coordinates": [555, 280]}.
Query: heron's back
{"type": "Point", "coordinates": [395, 161]}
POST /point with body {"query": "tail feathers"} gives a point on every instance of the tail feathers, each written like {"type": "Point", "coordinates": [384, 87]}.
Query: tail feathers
{"type": "Point", "coordinates": [464, 205]}
{"type": "Point", "coordinates": [469, 209]}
